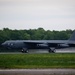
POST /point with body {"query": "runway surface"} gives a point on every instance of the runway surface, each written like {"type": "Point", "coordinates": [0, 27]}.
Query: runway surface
{"type": "Point", "coordinates": [38, 72]}
{"type": "Point", "coordinates": [65, 50]}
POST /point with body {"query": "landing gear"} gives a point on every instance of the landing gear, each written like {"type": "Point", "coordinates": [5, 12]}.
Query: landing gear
{"type": "Point", "coordinates": [24, 50]}
{"type": "Point", "coordinates": [51, 50]}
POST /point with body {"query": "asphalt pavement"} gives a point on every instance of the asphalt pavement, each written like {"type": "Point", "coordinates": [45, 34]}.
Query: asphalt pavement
{"type": "Point", "coordinates": [37, 72]}
{"type": "Point", "coordinates": [64, 50]}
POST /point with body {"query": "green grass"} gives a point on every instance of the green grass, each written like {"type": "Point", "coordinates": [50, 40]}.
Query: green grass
{"type": "Point", "coordinates": [37, 60]}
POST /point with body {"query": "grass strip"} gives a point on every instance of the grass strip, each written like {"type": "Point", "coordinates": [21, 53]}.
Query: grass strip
{"type": "Point", "coordinates": [26, 61]}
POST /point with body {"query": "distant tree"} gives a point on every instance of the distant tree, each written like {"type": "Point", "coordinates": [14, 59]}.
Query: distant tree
{"type": "Point", "coordinates": [48, 35]}
{"type": "Point", "coordinates": [39, 34]}
{"type": "Point", "coordinates": [33, 34]}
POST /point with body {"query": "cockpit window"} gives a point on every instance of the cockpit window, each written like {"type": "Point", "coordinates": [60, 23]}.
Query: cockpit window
{"type": "Point", "coordinates": [8, 43]}
{"type": "Point", "coordinates": [11, 44]}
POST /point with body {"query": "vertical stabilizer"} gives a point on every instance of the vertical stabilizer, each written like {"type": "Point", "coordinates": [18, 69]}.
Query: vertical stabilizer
{"type": "Point", "coordinates": [72, 38]}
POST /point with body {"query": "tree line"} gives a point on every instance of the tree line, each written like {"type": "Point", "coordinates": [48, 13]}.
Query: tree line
{"type": "Point", "coordinates": [34, 34]}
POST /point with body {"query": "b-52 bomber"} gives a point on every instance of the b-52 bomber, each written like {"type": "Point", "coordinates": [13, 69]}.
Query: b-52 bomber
{"type": "Point", "coordinates": [51, 45]}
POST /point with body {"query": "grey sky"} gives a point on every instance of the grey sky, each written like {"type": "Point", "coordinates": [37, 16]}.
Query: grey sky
{"type": "Point", "coordinates": [30, 14]}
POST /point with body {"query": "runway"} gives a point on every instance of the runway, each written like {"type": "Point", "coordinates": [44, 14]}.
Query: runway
{"type": "Point", "coordinates": [37, 72]}
{"type": "Point", "coordinates": [65, 50]}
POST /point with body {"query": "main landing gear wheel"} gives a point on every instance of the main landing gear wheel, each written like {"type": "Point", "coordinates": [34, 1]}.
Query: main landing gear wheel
{"type": "Point", "coordinates": [52, 50]}
{"type": "Point", "coordinates": [24, 50]}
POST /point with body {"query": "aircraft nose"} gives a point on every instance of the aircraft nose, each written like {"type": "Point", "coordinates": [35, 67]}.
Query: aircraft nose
{"type": "Point", "coordinates": [3, 44]}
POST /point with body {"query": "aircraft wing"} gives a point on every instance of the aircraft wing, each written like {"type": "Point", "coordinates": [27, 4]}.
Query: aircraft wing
{"type": "Point", "coordinates": [46, 41]}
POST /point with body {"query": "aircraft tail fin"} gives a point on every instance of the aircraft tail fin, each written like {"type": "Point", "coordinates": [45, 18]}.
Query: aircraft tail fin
{"type": "Point", "coordinates": [72, 38]}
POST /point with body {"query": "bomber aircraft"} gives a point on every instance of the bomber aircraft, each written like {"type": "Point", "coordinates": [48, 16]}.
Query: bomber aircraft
{"type": "Point", "coordinates": [51, 45]}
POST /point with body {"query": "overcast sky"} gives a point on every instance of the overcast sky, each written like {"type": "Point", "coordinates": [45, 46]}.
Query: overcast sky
{"type": "Point", "coordinates": [31, 14]}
